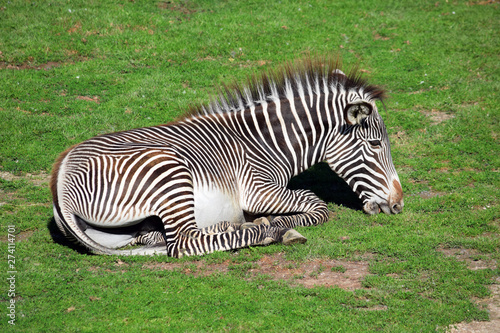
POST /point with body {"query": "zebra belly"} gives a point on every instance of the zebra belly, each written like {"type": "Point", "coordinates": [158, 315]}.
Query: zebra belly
{"type": "Point", "coordinates": [212, 205]}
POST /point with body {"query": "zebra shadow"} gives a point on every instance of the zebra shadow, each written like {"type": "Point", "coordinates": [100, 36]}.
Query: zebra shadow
{"type": "Point", "coordinates": [58, 238]}
{"type": "Point", "coordinates": [329, 187]}
{"type": "Point", "coordinates": [153, 222]}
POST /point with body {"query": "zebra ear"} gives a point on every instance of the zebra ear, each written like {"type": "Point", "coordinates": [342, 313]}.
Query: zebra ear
{"type": "Point", "coordinates": [357, 111]}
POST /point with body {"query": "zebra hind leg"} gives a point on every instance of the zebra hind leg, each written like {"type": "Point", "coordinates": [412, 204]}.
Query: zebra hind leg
{"type": "Point", "coordinates": [289, 237]}
{"type": "Point", "coordinates": [149, 238]}
{"type": "Point", "coordinates": [195, 242]}
{"type": "Point", "coordinates": [286, 236]}
{"type": "Point", "coordinates": [149, 232]}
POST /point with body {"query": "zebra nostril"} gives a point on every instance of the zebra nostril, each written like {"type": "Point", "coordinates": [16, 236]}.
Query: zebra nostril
{"type": "Point", "coordinates": [396, 208]}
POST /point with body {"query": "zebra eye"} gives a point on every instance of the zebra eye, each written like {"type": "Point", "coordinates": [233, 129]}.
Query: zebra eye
{"type": "Point", "coordinates": [375, 143]}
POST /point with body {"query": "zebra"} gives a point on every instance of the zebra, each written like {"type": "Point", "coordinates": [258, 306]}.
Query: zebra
{"type": "Point", "coordinates": [205, 177]}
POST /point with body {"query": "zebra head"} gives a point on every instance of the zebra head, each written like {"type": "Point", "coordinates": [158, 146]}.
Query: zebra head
{"type": "Point", "coordinates": [361, 155]}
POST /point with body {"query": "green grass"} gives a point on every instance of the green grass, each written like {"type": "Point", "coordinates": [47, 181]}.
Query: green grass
{"type": "Point", "coordinates": [92, 67]}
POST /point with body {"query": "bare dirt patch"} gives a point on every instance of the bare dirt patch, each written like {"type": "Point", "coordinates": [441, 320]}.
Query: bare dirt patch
{"type": "Point", "coordinates": [75, 28]}
{"type": "Point", "coordinates": [27, 65]}
{"type": "Point", "coordinates": [24, 235]}
{"type": "Point", "coordinates": [437, 117]}
{"type": "Point", "coordinates": [318, 272]}
{"type": "Point", "coordinates": [40, 179]}
{"type": "Point", "coordinates": [400, 136]}
{"type": "Point", "coordinates": [185, 9]}
{"type": "Point", "coordinates": [94, 99]}
{"type": "Point", "coordinates": [430, 194]}
{"type": "Point", "coordinates": [471, 257]}
{"type": "Point", "coordinates": [482, 2]}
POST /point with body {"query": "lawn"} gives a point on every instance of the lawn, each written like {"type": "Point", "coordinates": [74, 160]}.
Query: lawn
{"type": "Point", "coordinates": [70, 70]}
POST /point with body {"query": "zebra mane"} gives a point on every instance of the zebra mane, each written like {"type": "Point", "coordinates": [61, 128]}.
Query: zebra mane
{"type": "Point", "coordinates": [305, 77]}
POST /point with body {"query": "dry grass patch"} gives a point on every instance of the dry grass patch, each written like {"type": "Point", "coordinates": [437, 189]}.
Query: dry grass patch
{"type": "Point", "coordinates": [24, 235]}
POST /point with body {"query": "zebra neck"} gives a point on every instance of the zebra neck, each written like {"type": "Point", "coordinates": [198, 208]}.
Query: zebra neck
{"type": "Point", "coordinates": [287, 131]}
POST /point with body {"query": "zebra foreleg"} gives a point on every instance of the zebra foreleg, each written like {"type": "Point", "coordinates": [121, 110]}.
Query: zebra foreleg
{"type": "Point", "coordinates": [292, 208]}
{"type": "Point", "coordinates": [220, 228]}
{"type": "Point", "coordinates": [263, 234]}
{"type": "Point", "coordinates": [287, 237]}
{"type": "Point", "coordinates": [195, 242]}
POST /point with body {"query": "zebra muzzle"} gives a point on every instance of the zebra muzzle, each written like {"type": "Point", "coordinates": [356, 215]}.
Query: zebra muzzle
{"type": "Point", "coordinates": [373, 207]}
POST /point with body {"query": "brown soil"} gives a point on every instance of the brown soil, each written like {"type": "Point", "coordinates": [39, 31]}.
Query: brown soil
{"type": "Point", "coordinates": [344, 274]}
{"type": "Point", "coordinates": [45, 66]}
{"type": "Point", "coordinates": [471, 257]}
{"type": "Point", "coordinates": [24, 235]}
{"type": "Point", "coordinates": [41, 179]}
{"type": "Point", "coordinates": [437, 117]}
{"type": "Point", "coordinates": [430, 194]}
{"type": "Point", "coordinates": [94, 99]}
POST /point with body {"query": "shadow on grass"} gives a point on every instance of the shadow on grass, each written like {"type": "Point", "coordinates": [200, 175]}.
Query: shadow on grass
{"type": "Point", "coordinates": [149, 223]}
{"type": "Point", "coordinates": [327, 186]}
{"type": "Point", "coordinates": [59, 238]}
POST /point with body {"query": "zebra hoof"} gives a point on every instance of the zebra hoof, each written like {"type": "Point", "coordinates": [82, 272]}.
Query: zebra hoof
{"type": "Point", "coordinates": [247, 225]}
{"type": "Point", "coordinates": [262, 220]}
{"type": "Point", "coordinates": [293, 237]}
